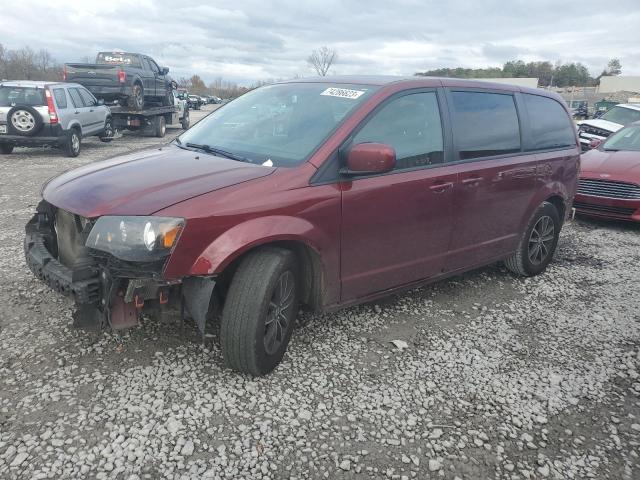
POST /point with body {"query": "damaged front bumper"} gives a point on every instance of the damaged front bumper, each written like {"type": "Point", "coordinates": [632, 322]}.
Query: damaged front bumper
{"type": "Point", "coordinates": [108, 291]}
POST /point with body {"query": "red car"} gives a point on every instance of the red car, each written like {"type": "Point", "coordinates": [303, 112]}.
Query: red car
{"type": "Point", "coordinates": [318, 193]}
{"type": "Point", "coordinates": [609, 185]}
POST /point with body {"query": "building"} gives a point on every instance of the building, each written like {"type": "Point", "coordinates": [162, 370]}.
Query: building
{"type": "Point", "coordinates": [620, 83]}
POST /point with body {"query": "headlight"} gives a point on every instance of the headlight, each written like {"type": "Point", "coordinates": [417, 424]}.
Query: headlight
{"type": "Point", "coordinates": [137, 239]}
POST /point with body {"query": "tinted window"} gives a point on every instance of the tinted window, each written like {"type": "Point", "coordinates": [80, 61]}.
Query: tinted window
{"type": "Point", "coordinates": [153, 65]}
{"type": "Point", "coordinates": [550, 124]}
{"type": "Point", "coordinates": [485, 124]}
{"type": "Point", "coordinates": [88, 99]}
{"type": "Point", "coordinates": [61, 97]}
{"type": "Point", "coordinates": [75, 98]}
{"type": "Point", "coordinates": [411, 125]}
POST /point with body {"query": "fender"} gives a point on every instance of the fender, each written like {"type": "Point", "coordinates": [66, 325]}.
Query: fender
{"type": "Point", "coordinates": [72, 124]}
{"type": "Point", "coordinates": [549, 189]}
{"type": "Point", "coordinates": [252, 233]}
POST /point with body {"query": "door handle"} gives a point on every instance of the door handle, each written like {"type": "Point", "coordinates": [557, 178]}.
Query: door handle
{"type": "Point", "coordinates": [471, 181]}
{"type": "Point", "coordinates": [440, 187]}
{"type": "Point", "coordinates": [76, 112]}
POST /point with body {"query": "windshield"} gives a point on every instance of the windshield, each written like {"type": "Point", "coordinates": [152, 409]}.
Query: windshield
{"type": "Point", "coordinates": [622, 115]}
{"type": "Point", "coordinates": [11, 96]}
{"type": "Point", "coordinates": [626, 139]}
{"type": "Point", "coordinates": [279, 125]}
{"type": "Point", "coordinates": [111, 58]}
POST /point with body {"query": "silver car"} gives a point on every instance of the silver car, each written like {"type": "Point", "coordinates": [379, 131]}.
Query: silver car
{"type": "Point", "coordinates": [50, 113]}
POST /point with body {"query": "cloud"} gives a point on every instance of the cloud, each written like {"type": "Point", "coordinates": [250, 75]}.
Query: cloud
{"type": "Point", "coordinates": [252, 40]}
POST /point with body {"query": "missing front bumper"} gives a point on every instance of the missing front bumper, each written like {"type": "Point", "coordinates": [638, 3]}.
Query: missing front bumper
{"type": "Point", "coordinates": [109, 292]}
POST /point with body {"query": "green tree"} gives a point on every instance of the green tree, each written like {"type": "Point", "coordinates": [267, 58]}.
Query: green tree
{"type": "Point", "coordinates": [614, 67]}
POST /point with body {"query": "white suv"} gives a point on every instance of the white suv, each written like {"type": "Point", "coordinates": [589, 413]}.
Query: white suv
{"type": "Point", "coordinates": [50, 113]}
{"type": "Point", "coordinates": [610, 122]}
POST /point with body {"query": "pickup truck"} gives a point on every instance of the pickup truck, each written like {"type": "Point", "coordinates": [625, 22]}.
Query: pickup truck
{"type": "Point", "coordinates": [132, 79]}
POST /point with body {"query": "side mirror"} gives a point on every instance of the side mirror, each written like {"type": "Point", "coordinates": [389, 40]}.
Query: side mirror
{"type": "Point", "coordinates": [164, 70]}
{"type": "Point", "coordinates": [100, 101]}
{"type": "Point", "coordinates": [369, 159]}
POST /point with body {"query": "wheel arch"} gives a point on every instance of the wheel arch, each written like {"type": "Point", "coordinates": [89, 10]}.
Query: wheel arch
{"type": "Point", "coordinates": [75, 125]}
{"type": "Point", "coordinates": [311, 269]}
{"type": "Point", "coordinates": [555, 193]}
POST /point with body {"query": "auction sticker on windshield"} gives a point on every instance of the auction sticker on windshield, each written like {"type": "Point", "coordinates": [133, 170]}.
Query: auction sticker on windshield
{"type": "Point", "coordinates": [342, 93]}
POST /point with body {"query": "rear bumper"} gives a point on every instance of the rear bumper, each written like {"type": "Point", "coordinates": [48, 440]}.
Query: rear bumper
{"type": "Point", "coordinates": [48, 135]}
{"type": "Point", "coordinates": [611, 208]}
{"type": "Point", "coordinates": [104, 91]}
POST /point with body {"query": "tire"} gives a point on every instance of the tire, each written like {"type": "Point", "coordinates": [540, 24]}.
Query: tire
{"type": "Point", "coordinates": [186, 121]}
{"type": "Point", "coordinates": [24, 120]}
{"type": "Point", "coordinates": [159, 126]}
{"type": "Point", "coordinates": [538, 243]}
{"type": "Point", "coordinates": [136, 99]}
{"type": "Point", "coordinates": [107, 133]}
{"type": "Point", "coordinates": [72, 143]}
{"type": "Point", "coordinates": [249, 320]}
{"type": "Point", "coordinates": [6, 148]}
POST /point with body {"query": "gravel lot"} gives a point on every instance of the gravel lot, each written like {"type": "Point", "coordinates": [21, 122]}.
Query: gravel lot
{"type": "Point", "coordinates": [501, 377]}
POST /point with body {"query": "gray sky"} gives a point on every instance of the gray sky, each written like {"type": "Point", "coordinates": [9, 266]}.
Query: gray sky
{"type": "Point", "coordinates": [245, 41]}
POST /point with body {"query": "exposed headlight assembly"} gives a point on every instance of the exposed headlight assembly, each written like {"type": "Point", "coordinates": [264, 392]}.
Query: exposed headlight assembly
{"type": "Point", "coordinates": [135, 239]}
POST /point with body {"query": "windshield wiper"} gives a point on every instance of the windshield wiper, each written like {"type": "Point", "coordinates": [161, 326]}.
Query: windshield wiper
{"type": "Point", "coordinates": [610, 149]}
{"type": "Point", "coordinates": [219, 152]}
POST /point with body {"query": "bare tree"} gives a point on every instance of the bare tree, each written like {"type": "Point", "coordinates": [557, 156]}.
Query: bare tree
{"type": "Point", "coordinates": [44, 60]}
{"type": "Point", "coordinates": [322, 59]}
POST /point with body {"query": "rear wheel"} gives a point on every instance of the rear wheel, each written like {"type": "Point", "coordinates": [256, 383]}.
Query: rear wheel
{"type": "Point", "coordinates": [186, 121]}
{"type": "Point", "coordinates": [260, 311]}
{"type": "Point", "coordinates": [107, 133]}
{"type": "Point", "coordinates": [6, 148]}
{"type": "Point", "coordinates": [72, 143]}
{"type": "Point", "coordinates": [538, 243]}
{"type": "Point", "coordinates": [160, 126]}
{"type": "Point", "coordinates": [136, 100]}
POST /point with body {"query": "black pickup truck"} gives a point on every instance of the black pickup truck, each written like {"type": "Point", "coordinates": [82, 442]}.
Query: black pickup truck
{"type": "Point", "coordinates": [131, 79]}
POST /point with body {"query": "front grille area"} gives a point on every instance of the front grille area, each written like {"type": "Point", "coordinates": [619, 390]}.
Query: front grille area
{"type": "Point", "coordinates": [609, 189]}
{"type": "Point", "coordinates": [594, 131]}
{"type": "Point", "coordinates": [604, 209]}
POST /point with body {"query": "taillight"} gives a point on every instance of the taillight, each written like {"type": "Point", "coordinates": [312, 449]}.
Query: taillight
{"type": "Point", "coordinates": [122, 76]}
{"type": "Point", "coordinates": [53, 116]}
{"type": "Point", "coordinates": [64, 73]}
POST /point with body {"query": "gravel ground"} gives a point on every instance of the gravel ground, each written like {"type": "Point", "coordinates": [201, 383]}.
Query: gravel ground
{"type": "Point", "coordinates": [493, 376]}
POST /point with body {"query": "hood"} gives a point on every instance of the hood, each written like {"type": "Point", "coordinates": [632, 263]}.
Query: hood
{"type": "Point", "coordinates": [603, 124]}
{"type": "Point", "coordinates": [622, 166]}
{"type": "Point", "coordinates": [144, 182]}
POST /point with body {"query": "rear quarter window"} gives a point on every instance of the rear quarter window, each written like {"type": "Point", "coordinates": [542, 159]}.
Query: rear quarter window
{"type": "Point", "coordinates": [60, 97]}
{"type": "Point", "coordinates": [550, 125]}
{"type": "Point", "coordinates": [485, 124]}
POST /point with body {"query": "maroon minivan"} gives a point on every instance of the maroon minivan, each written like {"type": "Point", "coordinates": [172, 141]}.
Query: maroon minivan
{"type": "Point", "coordinates": [319, 193]}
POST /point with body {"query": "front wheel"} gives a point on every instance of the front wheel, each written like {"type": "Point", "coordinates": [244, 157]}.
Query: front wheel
{"type": "Point", "coordinates": [538, 243]}
{"type": "Point", "coordinates": [260, 311]}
